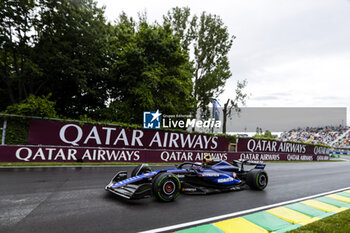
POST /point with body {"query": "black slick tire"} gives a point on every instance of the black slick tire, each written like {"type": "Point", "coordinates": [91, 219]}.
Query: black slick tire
{"type": "Point", "coordinates": [257, 179]}
{"type": "Point", "coordinates": [166, 187]}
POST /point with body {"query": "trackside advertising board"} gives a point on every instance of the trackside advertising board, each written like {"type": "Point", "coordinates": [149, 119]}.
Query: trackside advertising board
{"type": "Point", "coordinates": [51, 141]}
{"type": "Point", "coordinates": [270, 146]}
{"type": "Point", "coordinates": [86, 135]}
{"type": "Point", "coordinates": [73, 154]}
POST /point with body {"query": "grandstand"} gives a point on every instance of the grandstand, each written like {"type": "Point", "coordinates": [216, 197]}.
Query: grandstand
{"type": "Point", "coordinates": [336, 137]}
{"type": "Point", "coordinates": [342, 141]}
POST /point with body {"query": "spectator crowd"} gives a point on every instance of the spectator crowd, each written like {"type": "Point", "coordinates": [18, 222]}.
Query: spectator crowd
{"type": "Point", "coordinates": [344, 142]}
{"type": "Point", "coordinates": [322, 135]}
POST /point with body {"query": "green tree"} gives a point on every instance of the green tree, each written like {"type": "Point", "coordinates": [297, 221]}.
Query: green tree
{"type": "Point", "coordinates": [34, 106]}
{"type": "Point", "coordinates": [210, 41]}
{"type": "Point", "coordinates": [150, 71]}
{"type": "Point", "coordinates": [259, 131]}
{"type": "Point", "coordinates": [73, 52]}
{"type": "Point", "coordinates": [54, 46]}
{"type": "Point", "coordinates": [183, 26]}
{"type": "Point", "coordinates": [268, 134]}
{"type": "Point", "coordinates": [232, 105]}
{"type": "Point", "coordinates": [17, 127]}
{"type": "Point", "coordinates": [17, 38]}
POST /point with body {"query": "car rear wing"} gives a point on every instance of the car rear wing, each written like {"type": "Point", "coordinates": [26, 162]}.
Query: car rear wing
{"type": "Point", "coordinates": [241, 162]}
{"type": "Point", "coordinates": [260, 166]}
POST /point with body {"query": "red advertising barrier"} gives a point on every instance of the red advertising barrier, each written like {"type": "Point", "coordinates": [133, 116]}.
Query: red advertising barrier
{"type": "Point", "coordinates": [68, 134]}
{"type": "Point", "coordinates": [91, 154]}
{"type": "Point", "coordinates": [271, 146]}
{"type": "Point", "coordinates": [71, 142]}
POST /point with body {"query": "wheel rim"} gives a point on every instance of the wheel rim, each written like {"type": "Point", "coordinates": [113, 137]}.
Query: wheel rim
{"type": "Point", "coordinates": [262, 180]}
{"type": "Point", "coordinates": [169, 187]}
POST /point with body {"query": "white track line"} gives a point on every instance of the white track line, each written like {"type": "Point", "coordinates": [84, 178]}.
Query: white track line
{"type": "Point", "coordinates": [212, 219]}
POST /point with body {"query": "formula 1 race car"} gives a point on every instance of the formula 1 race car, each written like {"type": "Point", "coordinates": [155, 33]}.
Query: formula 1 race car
{"type": "Point", "coordinates": [211, 176]}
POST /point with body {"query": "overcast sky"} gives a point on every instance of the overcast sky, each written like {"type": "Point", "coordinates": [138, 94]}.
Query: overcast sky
{"type": "Point", "coordinates": [292, 53]}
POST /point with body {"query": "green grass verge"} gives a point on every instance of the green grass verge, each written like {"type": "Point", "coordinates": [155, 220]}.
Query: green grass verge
{"type": "Point", "coordinates": [338, 223]}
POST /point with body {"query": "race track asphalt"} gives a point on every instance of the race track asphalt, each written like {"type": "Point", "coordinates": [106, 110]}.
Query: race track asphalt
{"type": "Point", "coordinates": [74, 200]}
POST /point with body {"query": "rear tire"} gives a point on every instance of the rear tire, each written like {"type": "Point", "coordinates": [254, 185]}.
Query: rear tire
{"type": "Point", "coordinates": [166, 187]}
{"type": "Point", "coordinates": [257, 179]}
{"type": "Point", "coordinates": [141, 169]}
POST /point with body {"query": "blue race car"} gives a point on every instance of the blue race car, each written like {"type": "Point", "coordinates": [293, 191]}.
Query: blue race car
{"type": "Point", "coordinates": [211, 176]}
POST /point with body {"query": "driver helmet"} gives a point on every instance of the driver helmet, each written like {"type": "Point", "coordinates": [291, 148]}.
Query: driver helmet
{"type": "Point", "coordinates": [207, 159]}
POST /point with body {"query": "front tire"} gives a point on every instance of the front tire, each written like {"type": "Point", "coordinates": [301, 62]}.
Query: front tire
{"type": "Point", "coordinates": [166, 187]}
{"type": "Point", "coordinates": [257, 179]}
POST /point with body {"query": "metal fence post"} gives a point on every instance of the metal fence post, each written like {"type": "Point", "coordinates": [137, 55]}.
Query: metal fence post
{"type": "Point", "coordinates": [4, 132]}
